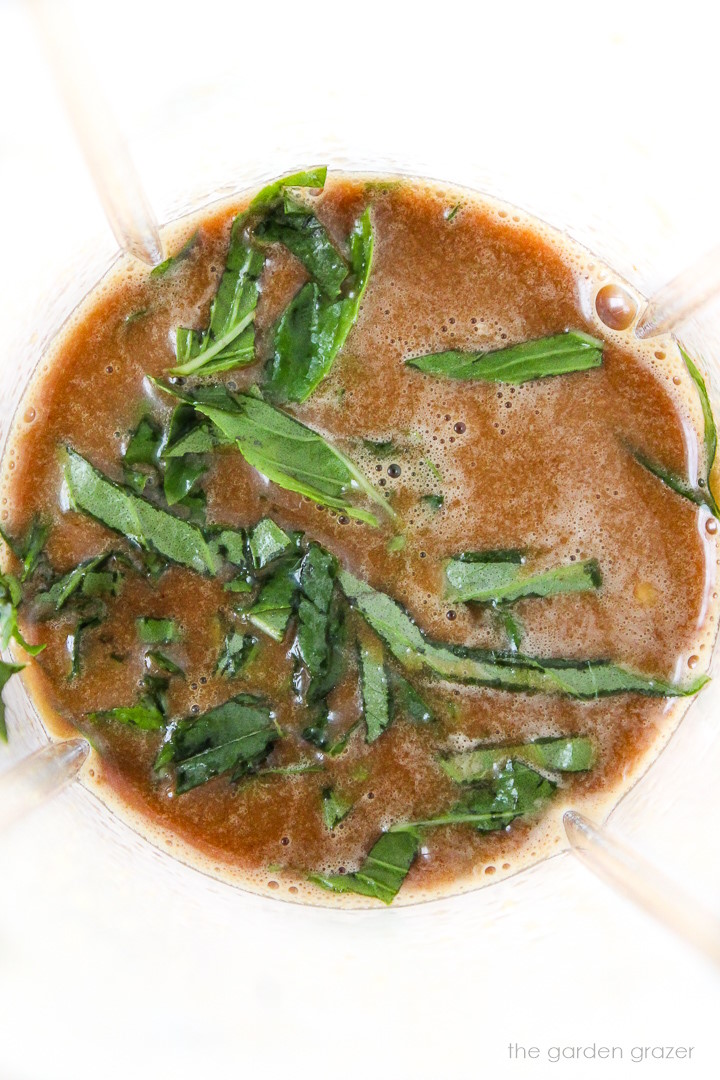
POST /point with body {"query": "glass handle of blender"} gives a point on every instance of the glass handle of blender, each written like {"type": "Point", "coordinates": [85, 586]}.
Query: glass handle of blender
{"type": "Point", "coordinates": [105, 151]}
{"type": "Point", "coordinates": [637, 879]}
{"type": "Point", "coordinates": [38, 777]}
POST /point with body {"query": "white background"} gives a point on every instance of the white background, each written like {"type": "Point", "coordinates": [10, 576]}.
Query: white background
{"type": "Point", "coordinates": [113, 965]}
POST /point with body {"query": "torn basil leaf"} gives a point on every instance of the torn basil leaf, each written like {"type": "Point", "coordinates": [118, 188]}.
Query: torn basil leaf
{"type": "Point", "coordinates": [229, 340]}
{"type": "Point", "coordinates": [133, 517]}
{"type": "Point", "coordinates": [374, 687]}
{"type": "Point", "coordinates": [233, 737]}
{"type": "Point", "coordinates": [7, 670]}
{"type": "Point", "coordinates": [334, 807]}
{"type": "Point", "coordinates": [10, 600]}
{"type": "Point", "coordinates": [157, 631]}
{"type": "Point", "coordinates": [269, 195]}
{"type": "Point", "coordinates": [517, 791]}
{"type": "Point", "coordinates": [83, 578]}
{"type": "Point", "coordinates": [504, 582]}
{"type": "Point", "coordinates": [274, 604]}
{"type": "Point", "coordinates": [559, 354]}
{"type": "Point", "coordinates": [181, 476]}
{"type": "Point", "coordinates": [29, 549]}
{"type": "Point", "coordinates": [383, 871]}
{"type": "Point", "coordinates": [74, 642]}
{"type": "Point", "coordinates": [144, 445]}
{"type": "Point", "coordinates": [433, 502]}
{"type": "Point", "coordinates": [556, 754]}
{"type": "Point", "coordinates": [236, 652]}
{"type": "Point", "coordinates": [267, 541]}
{"type": "Point", "coordinates": [292, 455]}
{"type": "Point", "coordinates": [312, 329]}
{"type": "Point", "coordinates": [406, 701]}
{"type": "Point", "coordinates": [504, 671]}
{"type": "Point", "coordinates": [313, 643]}
{"type": "Point", "coordinates": [156, 659]}
{"type": "Point", "coordinates": [148, 714]}
{"type": "Point", "coordinates": [293, 224]}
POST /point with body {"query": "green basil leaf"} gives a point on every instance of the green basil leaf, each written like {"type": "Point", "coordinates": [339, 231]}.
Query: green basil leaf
{"type": "Point", "coordinates": [374, 687]}
{"type": "Point", "coordinates": [433, 502]}
{"type": "Point", "coordinates": [237, 649]}
{"type": "Point", "coordinates": [504, 671]}
{"type": "Point", "coordinates": [383, 871]}
{"type": "Point", "coordinates": [505, 582]}
{"type": "Point", "coordinates": [275, 602]}
{"type": "Point", "coordinates": [229, 340]}
{"type": "Point", "coordinates": [559, 354]}
{"type": "Point", "coordinates": [271, 193]}
{"type": "Point", "coordinates": [157, 631]}
{"type": "Point", "coordinates": [267, 541]}
{"type": "Point", "coordinates": [146, 716]}
{"type": "Point", "coordinates": [181, 476]}
{"type": "Point", "coordinates": [28, 549]}
{"type": "Point", "coordinates": [144, 445]}
{"type": "Point", "coordinates": [233, 737]}
{"type": "Point", "coordinates": [138, 520]}
{"type": "Point", "coordinates": [313, 644]}
{"type": "Point", "coordinates": [7, 670]}
{"type": "Point", "coordinates": [10, 600]}
{"type": "Point", "coordinates": [153, 658]}
{"type": "Point", "coordinates": [334, 808]}
{"type": "Point", "coordinates": [517, 791]}
{"type": "Point", "coordinates": [558, 754]}
{"type": "Point", "coordinates": [228, 544]}
{"type": "Point", "coordinates": [293, 456]}
{"type": "Point", "coordinates": [63, 589]}
{"type": "Point", "coordinates": [75, 642]}
{"type": "Point", "coordinates": [293, 224]}
{"type": "Point", "coordinates": [312, 330]}
{"type": "Point", "coordinates": [406, 700]}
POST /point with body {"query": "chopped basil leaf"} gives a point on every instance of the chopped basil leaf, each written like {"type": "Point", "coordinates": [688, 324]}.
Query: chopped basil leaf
{"type": "Point", "coordinates": [274, 604]}
{"type": "Point", "coordinates": [395, 544]}
{"type": "Point", "coordinates": [236, 651]}
{"type": "Point", "coordinates": [74, 642]}
{"type": "Point", "coordinates": [292, 224]}
{"type": "Point", "coordinates": [138, 520]}
{"type": "Point", "coordinates": [229, 340]}
{"type": "Point", "coordinates": [313, 329]}
{"type": "Point", "coordinates": [144, 445]}
{"type": "Point", "coordinates": [334, 807]}
{"type": "Point", "coordinates": [292, 455]}
{"type": "Point", "coordinates": [153, 658]}
{"type": "Point", "coordinates": [269, 195]}
{"type": "Point", "coordinates": [374, 687]}
{"type": "Point", "coordinates": [313, 644]}
{"type": "Point", "coordinates": [559, 754]}
{"type": "Point", "coordinates": [512, 627]}
{"type": "Point", "coordinates": [149, 714]}
{"type": "Point", "coordinates": [503, 582]}
{"type": "Point", "coordinates": [233, 737]}
{"type": "Point", "coordinates": [266, 542]}
{"type": "Point", "coordinates": [181, 476]}
{"type": "Point", "coordinates": [10, 600]}
{"type": "Point", "coordinates": [30, 547]}
{"type": "Point", "coordinates": [83, 578]}
{"type": "Point", "coordinates": [7, 670]}
{"type": "Point", "coordinates": [157, 631]}
{"type": "Point", "coordinates": [406, 700]}
{"type": "Point", "coordinates": [229, 544]}
{"type": "Point", "coordinates": [504, 671]}
{"type": "Point", "coordinates": [556, 355]}
{"type": "Point", "coordinates": [383, 871]}
{"type": "Point", "coordinates": [517, 791]}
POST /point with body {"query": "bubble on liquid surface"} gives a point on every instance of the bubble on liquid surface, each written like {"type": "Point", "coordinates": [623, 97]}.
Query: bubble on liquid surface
{"type": "Point", "coordinates": [615, 307]}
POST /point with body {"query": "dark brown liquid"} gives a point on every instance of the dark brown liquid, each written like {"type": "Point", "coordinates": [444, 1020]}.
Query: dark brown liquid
{"type": "Point", "coordinates": [543, 467]}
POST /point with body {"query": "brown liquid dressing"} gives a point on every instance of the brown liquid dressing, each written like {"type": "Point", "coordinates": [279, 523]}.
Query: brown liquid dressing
{"type": "Point", "coordinates": [542, 466]}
